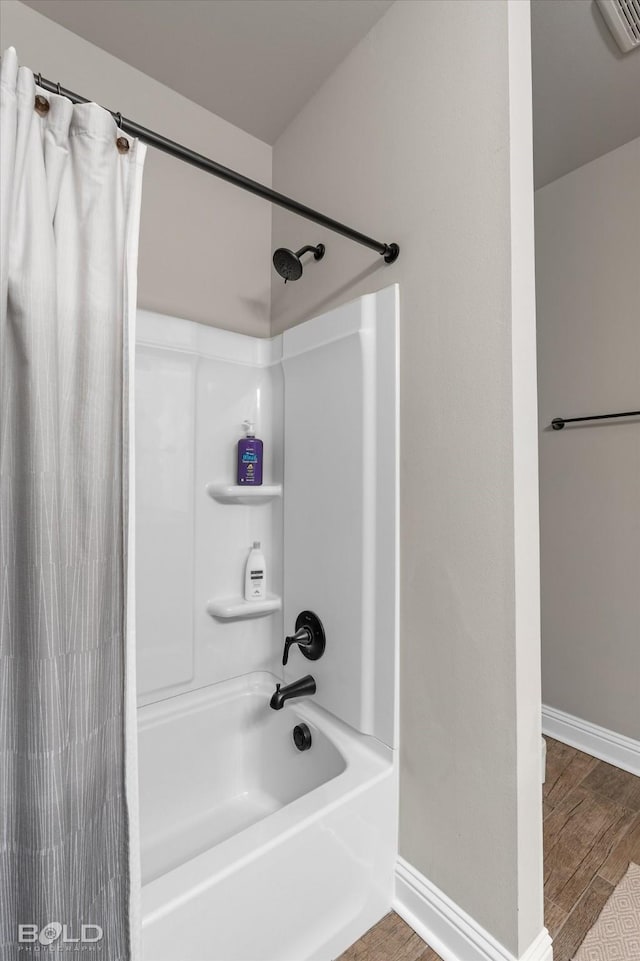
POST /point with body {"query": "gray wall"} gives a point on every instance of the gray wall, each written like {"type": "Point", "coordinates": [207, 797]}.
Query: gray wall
{"type": "Point", "coordinates": [410, 140]}
{"type": "Point", "coordinates": [204, 245]}
{"type": "Point", "coordinates": [588, 293]}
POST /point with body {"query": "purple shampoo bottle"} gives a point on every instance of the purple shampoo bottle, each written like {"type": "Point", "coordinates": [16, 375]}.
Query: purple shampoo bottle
{"type": "Point", "coordinates": [249, 457]}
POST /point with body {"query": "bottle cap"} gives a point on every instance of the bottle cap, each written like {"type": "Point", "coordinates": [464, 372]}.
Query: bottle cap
{"type": "Point", "coordinates": [256, 544]}
{"type": "Point", "coordinates": [249, 428]}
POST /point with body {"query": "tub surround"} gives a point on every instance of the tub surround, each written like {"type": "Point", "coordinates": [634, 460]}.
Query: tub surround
{"type": "Point", "coordinates": [249, 822]}
{"type": "Point", "coordinates": [195, 385]}
{"type": "Point", "coordinates": [340, 509]}
{"type": "Point", "coordinates": [328, 418]}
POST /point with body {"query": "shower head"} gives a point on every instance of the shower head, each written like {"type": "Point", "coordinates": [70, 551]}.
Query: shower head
{"type": "Point", "coordinates": [289, 264]}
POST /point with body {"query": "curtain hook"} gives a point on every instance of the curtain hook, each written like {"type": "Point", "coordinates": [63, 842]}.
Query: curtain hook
{"type": "Point", "coordinates": [118, 119]}
{"type": "Point", "coordinates": [58, 89]}
{"type": "Point", "coordinates": [41, 105]}
{"type": "Point", "coordinates": [39, 79]}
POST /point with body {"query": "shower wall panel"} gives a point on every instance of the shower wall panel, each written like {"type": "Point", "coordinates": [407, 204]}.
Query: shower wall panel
{"type": "Point", "coordinates": [195, 385]}
{"type": "Point", "coordinates": [325, 397]}
{"type": "Point", "coordinates": [340, 518]}
{"type": "Point", "coordinates": [165, 443]}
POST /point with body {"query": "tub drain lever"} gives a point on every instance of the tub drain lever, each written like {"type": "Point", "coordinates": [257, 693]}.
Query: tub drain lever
{"type": "Point", "coordinates": [309, 637]}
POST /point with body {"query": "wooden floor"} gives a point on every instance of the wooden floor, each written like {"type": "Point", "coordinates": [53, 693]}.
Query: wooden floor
{"type": "Point", "coordinates": [390, 940]}
{"type": "Point", "coordinates": [591, 833]}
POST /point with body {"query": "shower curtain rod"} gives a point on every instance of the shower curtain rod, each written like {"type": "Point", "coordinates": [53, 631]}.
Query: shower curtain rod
{"type": "Point", "coordinates": [389, 252]}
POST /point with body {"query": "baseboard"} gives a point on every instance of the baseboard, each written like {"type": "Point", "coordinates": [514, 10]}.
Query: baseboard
{"type": "Point", "coordinates": [446, 928]}
{"type": "Point", "coordinates": [616, 749]}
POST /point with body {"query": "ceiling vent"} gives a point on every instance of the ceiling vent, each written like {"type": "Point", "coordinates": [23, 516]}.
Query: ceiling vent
{"type": "Point", "coordinates": [623, 19]}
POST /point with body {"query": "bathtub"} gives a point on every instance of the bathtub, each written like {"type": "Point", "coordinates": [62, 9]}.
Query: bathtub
{"type": "Point", "coordinates": [252, 850]}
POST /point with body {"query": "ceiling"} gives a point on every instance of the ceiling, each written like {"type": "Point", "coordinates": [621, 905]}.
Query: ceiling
{"type": "Point", "coordinates": [257, 62]}
{"type": "Point", "coordinates": [253, 62]}
{"type": "Point", "coordinates": [586, 93]}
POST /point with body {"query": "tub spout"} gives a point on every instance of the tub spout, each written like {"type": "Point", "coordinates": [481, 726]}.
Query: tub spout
{"type": "Point", "coordinates": [306, 685]}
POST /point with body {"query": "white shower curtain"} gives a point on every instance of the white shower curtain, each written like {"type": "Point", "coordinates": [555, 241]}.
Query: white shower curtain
{"type": "Point", "coordinates": [70, 205]}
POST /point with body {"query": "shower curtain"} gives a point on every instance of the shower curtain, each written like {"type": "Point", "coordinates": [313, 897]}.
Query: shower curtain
{"type": "Point", "coordinates": [70, 203]}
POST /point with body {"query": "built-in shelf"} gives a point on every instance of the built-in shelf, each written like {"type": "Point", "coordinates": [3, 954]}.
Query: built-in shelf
{"type": "Point", "coordinates": [238, 494]}
{"type": "Point", "coordinates": [236, 607]}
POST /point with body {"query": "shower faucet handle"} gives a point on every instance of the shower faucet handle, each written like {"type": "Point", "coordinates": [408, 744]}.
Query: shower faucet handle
{"type": "Point", "coordinates": [309, 637]}
{"type": "Point", "coordinates": [302, 638]}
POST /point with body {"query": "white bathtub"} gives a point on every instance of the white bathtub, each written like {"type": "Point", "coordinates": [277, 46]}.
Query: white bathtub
{"type": "Point", "coordinates": [251, 849]}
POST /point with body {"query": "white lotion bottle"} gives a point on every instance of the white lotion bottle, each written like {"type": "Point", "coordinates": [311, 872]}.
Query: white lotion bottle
{"type": "Point", "coordinates": [255, 575]}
